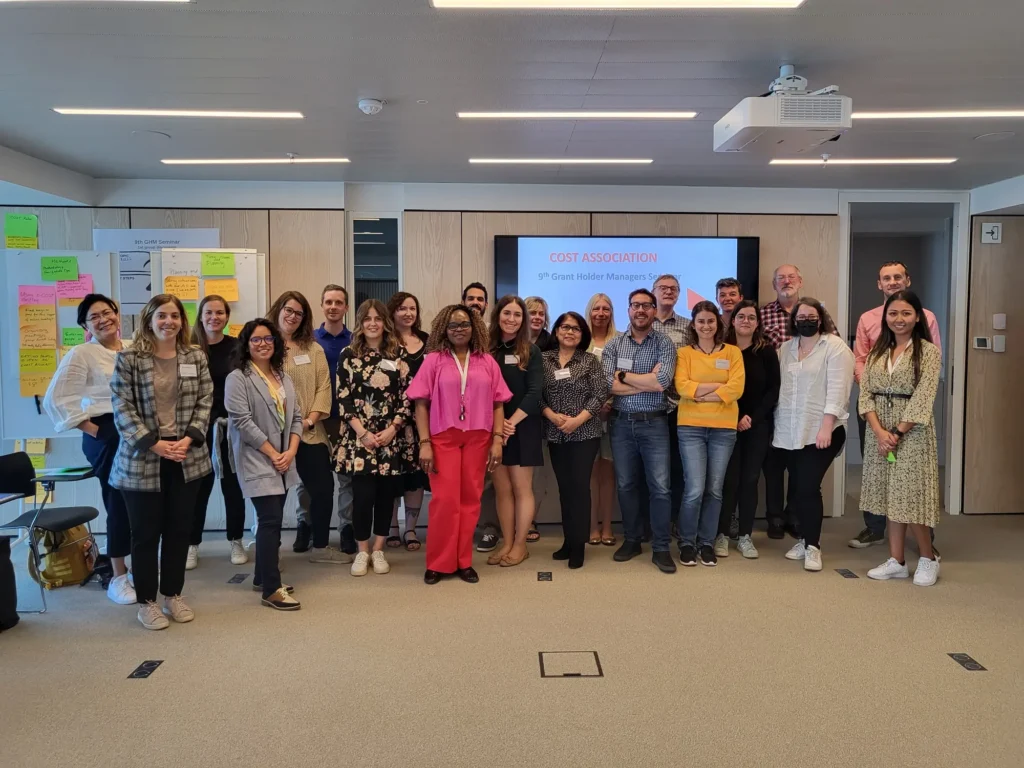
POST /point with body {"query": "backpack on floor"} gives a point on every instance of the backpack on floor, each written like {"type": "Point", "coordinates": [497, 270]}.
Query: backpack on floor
{"type": "Point", "coordinates": [67, 556]}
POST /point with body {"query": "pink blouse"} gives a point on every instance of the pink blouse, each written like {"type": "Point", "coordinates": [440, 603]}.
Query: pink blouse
{"type": "Point", "coordinates": [439, 381]}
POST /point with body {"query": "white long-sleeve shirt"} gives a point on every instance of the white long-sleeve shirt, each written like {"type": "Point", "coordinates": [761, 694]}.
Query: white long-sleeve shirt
{"type": "Point", "coordinates": [817, 385]}
{"type": "Point", "coordinates": [80, 389]}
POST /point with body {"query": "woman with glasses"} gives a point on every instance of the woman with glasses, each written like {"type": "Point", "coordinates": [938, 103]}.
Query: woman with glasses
{"type": "Point", "coordinates": [600, 316]}
{"type": "Point", "coordinates": [460, 395]}
{"type": "Point", "coordinates": [264, 429]}
{"type": "Point", "coordinates": [754, 429]}
{"type": "Point", "coordinates": [575, 390]}
{"type": "Point", "coordinates": [306, 365]}
{"type": "Point", "coordinates": [79, 398]}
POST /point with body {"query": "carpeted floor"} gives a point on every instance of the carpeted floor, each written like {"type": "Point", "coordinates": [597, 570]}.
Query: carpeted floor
{"type": "Point", "coordinates": [753, 663]}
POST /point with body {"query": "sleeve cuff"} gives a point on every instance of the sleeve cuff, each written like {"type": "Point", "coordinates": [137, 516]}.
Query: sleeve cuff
{"type": "Point", "coordinates": [145, 442]}
{"type": "Point", "coordinates": [196, 435]}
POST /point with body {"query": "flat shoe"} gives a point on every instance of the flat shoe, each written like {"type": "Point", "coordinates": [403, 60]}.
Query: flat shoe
{"type": "Point", "coordinates": [495, 559]}
{"type": "Point", "coordinates": [594, 541]}
{"type": "Point", "coordinates": [611, 541]}
{"type": "Point", "coordinates": [507, 562]}
{"type": "Point", "coordinates": [468, 575]}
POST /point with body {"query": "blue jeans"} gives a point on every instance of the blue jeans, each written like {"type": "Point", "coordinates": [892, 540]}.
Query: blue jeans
{"type": "Point", "coordinates": [706, 452]}
{"type": "Point", "coordinates": [643, 446]}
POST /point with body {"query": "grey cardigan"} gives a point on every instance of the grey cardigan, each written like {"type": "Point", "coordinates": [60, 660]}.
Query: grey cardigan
{"type": "Point", "coordinates": [252, 421]}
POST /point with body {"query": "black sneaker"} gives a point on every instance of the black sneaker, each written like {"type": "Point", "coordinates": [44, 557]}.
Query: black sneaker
{"type": "Point", "coordinates": [664, 562]}
{"type": "Point", "coordinates": [866, 538]}
{"type": "Point", "coordinates": [776, 531]}
{"type": "Point", "coordinates": [708, 556]}
{"type": "Point", "coordinates": [688, 555]}
{"type": "Point", "coordinates": [348, 540]}
{"type": "Point", "coordinates": [627, 551]}
{"type": "Point", "coordinates": [488, 542]}
{"type": "Point", "coordinates": [303, 534]}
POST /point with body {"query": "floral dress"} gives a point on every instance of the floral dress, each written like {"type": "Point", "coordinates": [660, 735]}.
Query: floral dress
{"type": "Point", "coordinates": [372, 389]}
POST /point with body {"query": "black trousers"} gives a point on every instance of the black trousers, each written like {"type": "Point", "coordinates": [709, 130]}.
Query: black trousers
{"type": "Point", "coordinates": [269, 516]}
{"type": "Point", "coordinates": [572, 464]}
{"type": "Point", "coordinates": [8, 587]}
{"type": "Point", "coordinates": [313, 463]}
{"type": "Point", "coordinates": [234, 502]}
{"type": "Point", "coordinates": [165, 514]}
{"type": "Point", "coordinates": [807, 468]}
{"type": "Point", "coordinates": [775, 489]}
{"type": "Point", "coordinates": [740, 489]}
{"type": "Point", "coordinates": [99, 452]}
{"type": "Point", "coordinates": [373, 500]}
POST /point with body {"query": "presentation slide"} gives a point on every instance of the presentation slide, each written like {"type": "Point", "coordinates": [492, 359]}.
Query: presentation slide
{"type": "Point", "coordinates": [566, 272]}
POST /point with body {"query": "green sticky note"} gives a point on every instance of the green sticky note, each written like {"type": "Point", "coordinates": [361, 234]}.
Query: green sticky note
{"type": "Point", "coordinates": [38, 462]}
{"type": "Point", "coordinates": [219, 264]}
{"type": "Point", "coordinates": [190, 311]}
{"type": "Point", "coordinates": [55, 268]}
{"type": "Point", "coordinates": [71, 337]}
{"type": "Point", "coordinates": [20, 225]}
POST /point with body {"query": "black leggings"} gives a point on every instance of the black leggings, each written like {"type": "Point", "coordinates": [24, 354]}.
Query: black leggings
{"type": "Point", "coordinates": [807, 468]}
{"type": "Point", "coordinates": [373, 500]}
{"type": "Point", "coordinates": [741, 477]}
{"type": "Point", "coordinates": [234, 502]}
{"type": "Point", "coordinates": [313, 463]}
{"type": "Point", "coordinates": [573, 464]}
{"type": "Point", "coordinates": [99, 452]}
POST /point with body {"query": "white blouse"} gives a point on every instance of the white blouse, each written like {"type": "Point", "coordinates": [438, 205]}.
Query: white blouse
{"type": "Point", "coordinates": [80, 389]}
{"type": "Point", "coordinates": [817, 385]}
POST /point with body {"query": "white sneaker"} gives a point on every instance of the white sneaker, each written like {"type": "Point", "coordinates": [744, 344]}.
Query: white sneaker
{"type": "Point", "coordinates": [721, 545]}
{"type": "Point", "coordinates": [178, 609]}
{"type": "Point", "coordinates": [238, 556]}
{"type": "Point", "coordinates": [927, 572]}
{"type": "Point", "coordinates": [746, 548]}
{"type": "Point", "coordinates": [329, 555]}
{"type": "Point", "coordinates": [380, 563]}
{"type": "Point", "coordinates": [812, 560]}
{"type": "Point", "coordinates": [193, 557]}
{"type": "Point", "coordinates": [890, 569]}
{"type": "Point", "coordinates": [151, 617]}
{"type": "Point", "coordinates": [121, 592]}
{"type": "Point", "coordinates": [361, 564]}
{"type": "Point", "coordinates": [798, 552]}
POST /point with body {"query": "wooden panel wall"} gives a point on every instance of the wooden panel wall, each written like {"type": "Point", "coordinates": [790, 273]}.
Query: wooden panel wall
{"type": "Point", "coordinates": [308, 252]}
{"type": "Point", "coordinates": [432, 259]}
{"type": "Point", "coordinates": [238, 229]}
{"type": "Point", "coordinates": [654, 224]}
{"type": "Point", "coordinates": [72, 227]}
{"type": "Point", "coordinates": [993, 482]}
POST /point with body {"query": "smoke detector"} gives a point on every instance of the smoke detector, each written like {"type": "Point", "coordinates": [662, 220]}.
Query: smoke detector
{"type": "Point", "coordinates": [371, 106]}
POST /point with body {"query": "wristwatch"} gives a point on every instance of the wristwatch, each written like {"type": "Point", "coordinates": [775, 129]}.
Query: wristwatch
{"type": "Point", "coordinates": [622, 376]}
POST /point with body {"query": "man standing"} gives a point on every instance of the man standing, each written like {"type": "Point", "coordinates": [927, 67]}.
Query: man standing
{"type": "Point", "coordinates": [474, 296]}
{"type": "Point", "coordinates": [892, 278]}
{"type": "Point", "coordinates": [729, 294]}
{"type": "Point", "coordinates": [639, 366]}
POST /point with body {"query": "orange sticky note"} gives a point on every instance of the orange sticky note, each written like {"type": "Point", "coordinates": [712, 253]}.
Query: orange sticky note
{"type": "Point", "coordinates": [34, 383]}
{"type": "Point", "coordinates": [234, 330]}
{"type": "Point", "coordinates": [228, 288]}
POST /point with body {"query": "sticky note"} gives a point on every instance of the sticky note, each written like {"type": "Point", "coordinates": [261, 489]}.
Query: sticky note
{"type": "Point", "coordinates": [37, 335]}
{"type": "Point", "coordinates": [183, 286]}
{"type": "Point", "coordinates": [17, 446]}
{"type": "Point", "coordinates": [34, 383]}
{"type": "Point", "coordinates": [37, 294]}
{"type": "Point", "coordinates": [35, 445]}
{"type": "Point", "coordinates": [21, 243]}
{"type": "Point", "coordinates": [37, 313]}
{"type": "Point", "coordinates": [38, 462]}
{"type": "Point", "coordinates": [218, 265]}
{"type": "Point", "coordinates": [228, 289]}
{"type": "Point", "coordinates": [74, 289]}
{"type": "Point", "coordinates": [59, 267]}
{"type": "Point", "coordinates": [234, 330]}
{"type": "Point", "coordinates": [37, 360]}
{"type": "Point", "coordinates": [190, 311]}
{"type": "Point", "coordinates": [72, 337]}
{"type": "Point", "coordinates": [21, 224]}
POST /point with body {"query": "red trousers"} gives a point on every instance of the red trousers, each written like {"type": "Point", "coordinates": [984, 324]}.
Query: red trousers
{"type": "Point", "coordinates": [460, 459]}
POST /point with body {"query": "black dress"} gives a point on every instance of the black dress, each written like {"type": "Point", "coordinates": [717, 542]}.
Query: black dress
{"type": "Point", "coordinates": [417, 478]}
{"type": "Point", "coordinates": [524, 447]}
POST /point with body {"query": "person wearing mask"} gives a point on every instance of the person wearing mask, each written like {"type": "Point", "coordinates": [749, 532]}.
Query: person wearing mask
{"type": "Point", "coordinates": [523, 371]}
{"type": "Point", "coordinates": [709, 378]}
{"type": "Point", "coordinates": [79, 398]}
{"type": "Point", "coordinates": [639, 367]}
{"type": "Point", "coordinates": [404, 310]}
{"type": "Point", "coordinates": [306, 365]}
{"type": "Point", "coordinates": [728, 293]}
{"type": "Point", "coordinates": [474, 296]}
{"type": "Point", "coordinates": [601, 317]}
{"type": "Point", "coordinates": [901, 462]}
{"type": "Point", "coordinates": [372, 381]}
{"type": "Point", "coordinates": [893, 277]}
{"type": "Point", "coordinates": [162, 394]}
{"type": "Point", "coordinates": [264, 430]}
{"type": "Point", "coordinates": [753, 431]}
{"type": "Point", "coordinates": [810, 421]}
{"type": "Point", "coordinates": [574, 392]}
{"type": "Point", "coordinates": [220, 349]}
{"type": "Point", "coordinates": [539, 316]}
{"type": "Point", "coordinates": [459, 394]}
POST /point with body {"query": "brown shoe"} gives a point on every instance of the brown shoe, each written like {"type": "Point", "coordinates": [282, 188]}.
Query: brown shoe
{"type": "Point", "coordinates": [509, 562]}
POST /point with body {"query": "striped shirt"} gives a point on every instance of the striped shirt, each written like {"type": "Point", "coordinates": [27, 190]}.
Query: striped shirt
{"type": "Point", "coordinates": [623, 354]}
{"type": "Point", "coordinates": [307, 366]}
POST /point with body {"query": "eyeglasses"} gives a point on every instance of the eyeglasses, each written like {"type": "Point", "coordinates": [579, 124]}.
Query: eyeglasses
{"type": "Point", "coordinates": [668, 288]}
{"type": "Point", "coordinates": [297, 313]}
{"type": "Point", "coordinates": [258, 340]}
{"type": "Point", "coordinates": [802, 318]}
{"type": "Point", "coordinates": [745, 319]}
{"type": "Point", "coordinates": [641, 305]}
{"type": "Point", "coordinates": [566, 328]}
{"type": "Point", "coordinates": [104, 315]}
{"type": "Point", "coordinates": [463, 326]}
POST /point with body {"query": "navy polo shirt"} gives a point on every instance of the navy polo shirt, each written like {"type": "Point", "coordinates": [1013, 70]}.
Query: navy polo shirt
{"type": "Point", "coordinates": [332, 346]}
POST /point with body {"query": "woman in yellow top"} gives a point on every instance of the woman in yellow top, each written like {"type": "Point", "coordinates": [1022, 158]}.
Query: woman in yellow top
{"type": "Point", "coordinates": [709, 380]}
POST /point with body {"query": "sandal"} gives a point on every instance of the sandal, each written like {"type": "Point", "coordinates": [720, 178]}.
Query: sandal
{"type": "Point", "coordinates": [609, 541]}
{"type": "Point", "coordinates": [594, 540]}
{"type": "Point", "coordinates": [507, 562]}
{"type": "Point", "coordinates": [411, 545]}
{"type": "Point", "coordinates": [393, 541]}
{"type": "Point", "coordinates": [533, 534]}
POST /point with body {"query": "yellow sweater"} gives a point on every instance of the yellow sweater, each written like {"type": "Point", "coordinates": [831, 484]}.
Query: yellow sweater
{"type": "Point", "coordinates": [723, 367]}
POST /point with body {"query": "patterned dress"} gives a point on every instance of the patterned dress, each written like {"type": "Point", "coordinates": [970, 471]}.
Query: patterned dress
{"type": "Point", "coordinates": [907, 490]}
{"type": "Point", "coordinates": [372, 389]}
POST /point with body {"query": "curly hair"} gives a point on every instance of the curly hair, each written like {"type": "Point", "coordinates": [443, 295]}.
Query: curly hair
{"type": "Point", "coordinates": [244, 357]}
{"type": "Point", "coordinates": [398, 300]}
{"type": "Point", "coordinates": [304, 334]}
{"type": "Point", "coordinates": [522, 339]}
{"type": "Point", "coordinates": [438, 341]}
{"type": "Point", "coordinates": [825, 324]}
{"type": "Point", "coordinates": [389, 339]}
{"type": "Point", "coordinates": [704, 306]}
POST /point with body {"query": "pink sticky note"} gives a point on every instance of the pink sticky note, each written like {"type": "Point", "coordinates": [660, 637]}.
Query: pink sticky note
{"type": "Point", "coordinates": [37, 294]}
{"type": "Point", "coordinates": [74, 289]}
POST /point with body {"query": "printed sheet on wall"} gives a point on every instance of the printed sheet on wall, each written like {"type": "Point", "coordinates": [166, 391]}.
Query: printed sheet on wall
{"type": "Point", "coordinates": [239, 276]}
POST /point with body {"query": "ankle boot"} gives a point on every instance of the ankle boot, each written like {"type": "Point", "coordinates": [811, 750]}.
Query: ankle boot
{"type": "Point", "coordinates": [563, 552]}
{"type": "Point", "coordinates": [576, 556]}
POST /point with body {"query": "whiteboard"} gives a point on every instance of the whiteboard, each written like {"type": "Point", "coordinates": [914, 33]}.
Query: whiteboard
{"type": "Point", "coordinates": [250, 272]}
{"type": "Point", "coordinates": [19, 415]}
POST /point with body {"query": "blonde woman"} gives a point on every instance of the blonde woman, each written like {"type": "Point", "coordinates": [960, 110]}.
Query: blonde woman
{"type": "Point", "coordinates": [600, 315]}
{"type": "Point", "coordinates": [537, 310]}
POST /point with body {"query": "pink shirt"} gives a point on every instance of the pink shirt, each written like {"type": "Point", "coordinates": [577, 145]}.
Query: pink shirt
{"type": "Point", "coordinates": [438, 381]}
{"type": "Point", "coordinates": [869, 328]}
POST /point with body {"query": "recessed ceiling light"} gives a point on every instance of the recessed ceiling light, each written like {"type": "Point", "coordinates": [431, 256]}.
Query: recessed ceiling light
{"type": "Point", "coordinates": [95, 2]}
{"type": "Point", "coordinates": [867, 161]}
{"type": "Point", "coordinates": [174, 112]}
{"type": "Point", "coordinates": [614, 5]}
{"type": "Point", "coordinates": [254, 161]}
{"type": "Point", "coordinates": [422, 101]}
{"type": "Point", "coordinates": [578, 115]}
{"type": "Point", "coordinates": [559, 161]}
{"type": "Point", "coordinates": [964, 114]}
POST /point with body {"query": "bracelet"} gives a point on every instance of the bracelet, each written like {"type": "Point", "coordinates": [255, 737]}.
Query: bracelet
{"type": "Point", "coordinates": [425, 442]}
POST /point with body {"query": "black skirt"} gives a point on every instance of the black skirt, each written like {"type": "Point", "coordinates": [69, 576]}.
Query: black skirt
{"type": "Point", "coordinates": [524, 448]}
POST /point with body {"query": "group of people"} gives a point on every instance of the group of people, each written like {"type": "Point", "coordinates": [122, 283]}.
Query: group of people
{"type": "Point", "coordinates": [676, 416]}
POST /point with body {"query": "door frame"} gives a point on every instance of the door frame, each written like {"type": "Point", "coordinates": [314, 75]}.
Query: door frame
{"type": "Point", "coordinates": [350, 264]}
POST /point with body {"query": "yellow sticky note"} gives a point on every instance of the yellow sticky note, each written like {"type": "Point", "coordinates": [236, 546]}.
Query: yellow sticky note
{"type": "Point", "coordinates": [37, 313]}
{"type": "Point", "coordinates": [234, 330]}
{"type": "Point", "coordinates": [38, 335]}
{"type": "Point", "coordinates": [38, 462]}
{"type": "Point", "coordinates": [227, 289]}
{"type": "Point", "coordinates": [21, 243]}
{"type": "Point", "coordinates": [17, 446]}
{"type": "Point", "coordinates": [185, 287]}
{"type": "Point", "coordinates": [68, 302]}
{"type": "Point", "coordinates": [37, 360]}
{"type": "Point", "coordinates": [34, 383]}
{"type": "Point", "coordinates": [36, 445]}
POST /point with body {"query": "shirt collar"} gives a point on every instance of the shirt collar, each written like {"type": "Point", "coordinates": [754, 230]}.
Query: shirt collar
{"type": "Point", "coordinates": [323, 333]}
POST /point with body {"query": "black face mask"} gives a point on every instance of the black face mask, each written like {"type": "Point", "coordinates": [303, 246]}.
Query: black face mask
{"type": "Point", "coordinates": [807, 327]}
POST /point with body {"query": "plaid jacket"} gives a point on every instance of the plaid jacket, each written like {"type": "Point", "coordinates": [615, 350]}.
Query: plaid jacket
{"type": "Point", "coordinates": [136, 468]}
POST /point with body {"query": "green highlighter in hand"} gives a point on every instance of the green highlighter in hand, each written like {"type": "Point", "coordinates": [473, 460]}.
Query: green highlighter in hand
{"type": "Point", "coordinates": [891, 458]}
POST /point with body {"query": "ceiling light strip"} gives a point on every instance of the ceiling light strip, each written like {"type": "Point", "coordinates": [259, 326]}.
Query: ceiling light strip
{"type": "Point", "coordinates": [577, 115]}
{"type": "Point", "coordinates": [965, 114]}
{"type": "Point", "coordinates": [559, 161]}
{"type": "Point", "coordinates": [617, 5]}
{"type": "Point", "coordinates": [255, 161]}
{"type": "Point", "coordinates": [867, 161]}
{"type": "Point", "coordinates": [86, 111]}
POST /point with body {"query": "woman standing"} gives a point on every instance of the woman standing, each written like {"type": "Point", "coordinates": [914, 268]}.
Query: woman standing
{"type": "Point", "coordinates": [537, 310]}
{"type": "Point", "coordinates": [754, 430]}
{"type": "Point", "coordinates": [220, 349]}
{"type": "Point", "coordinates": [372, 379]}
{"type": "Point", "coordinates": [901, 465]}
{"type": "Point", "coordinates": [306, 365]}
{"type": "Point", "coordinates": [459, 394]}
{"type": "Point", "coordinates": [162, 396]}
{"type": "Point", "coordinates": [709, 379]}
{"type": "Point", "coordinates": [79, 398]}
{"type": "Point", "coordinates": [601, 317]}
{"type": "Point", "coordinates": [264, 429]}
{"type": "Point", "coordinates": [404, 311]}
{"type": "Point", "coordinates": [575, 389]}
{"type": "Point", "coordinates": [810, 422]}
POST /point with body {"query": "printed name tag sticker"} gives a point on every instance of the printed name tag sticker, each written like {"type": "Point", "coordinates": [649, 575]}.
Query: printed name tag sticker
{"type": "Point", "coordinates": [722, 365]}
{"type": "Point", "coordinates": [563, 373]}
{"type": "Point", "coordinates": [511, 359]}
{"type": "Point", "coordinates": [302, 360]}
{"type": "Point", "coordinates": [624, 364]}
{"type": "Point", "coordinates": [388, 365]}
{"type": "Point", "coordinates": [187, 371]}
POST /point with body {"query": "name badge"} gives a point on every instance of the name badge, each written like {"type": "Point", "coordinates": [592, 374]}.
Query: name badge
{"type": "Point", "coordinates": [598, 351]}
{"type": "Point", "coordinates": [563, 373]}
{"type": "Point", "coordinates": [624, 364]}
{"type": "Point", "coordinates": [388, 365]}
{"type": "Point", "coordinates": [187, 371]}
{"type": "Point", "coordinates": [794, 367]}
{"type": "Point", "coordinates": [722, 365]}
{"type": "Point", "coordinates": [511, 359]}
{"type": "Point", "coordinates": [302, 360]}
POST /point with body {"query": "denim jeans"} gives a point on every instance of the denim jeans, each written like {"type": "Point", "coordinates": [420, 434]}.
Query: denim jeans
{"type": "Point", "coordinates": [643, 447]}
{"type": "Point", "coordinates": [706, 452]}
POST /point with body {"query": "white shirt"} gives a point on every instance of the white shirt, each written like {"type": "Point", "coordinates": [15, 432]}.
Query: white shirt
{"type": "Point", "coordinates": [817, 385]}
{"type": "Point", "coordinates": [80, 389]}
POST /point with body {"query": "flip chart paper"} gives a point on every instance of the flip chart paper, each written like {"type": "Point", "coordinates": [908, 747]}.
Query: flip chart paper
{"type": "Point", "coordinates": [72, 337]}
{"type": "Point", "coordinates": [21, 225]}
{"type": "Point", "coordinates": [182, 286]}
{"type": "Point", "coordinates": [75, 289]}
{"type": "Point", "coordinates": [37, 360]}
{"type": "Point", "coordinates": [218, 264]}
{"type": "Point", "coordinates": [37, 294]}
{"type": "Point", "coordinates": [34, 383]}
{"type": "Point", "coordinates": [226, 288]}
{"type": "Point", "coordinates": [59, 267]}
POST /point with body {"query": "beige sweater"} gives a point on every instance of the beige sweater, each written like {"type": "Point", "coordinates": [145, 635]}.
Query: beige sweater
{"type": "Point", "coordinates": [312, 382]}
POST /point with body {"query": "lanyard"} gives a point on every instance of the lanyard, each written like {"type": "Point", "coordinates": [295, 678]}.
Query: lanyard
{"type": "Point", "coordinates": [463, 379]}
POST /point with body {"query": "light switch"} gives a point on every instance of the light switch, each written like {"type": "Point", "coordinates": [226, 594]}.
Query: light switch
{"type": "Point", "coordinates": [982, 342]}
{"type": "Point", "coordinates": [998, 343]}
{"type": "Point", "coordinates": [999, 322]}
